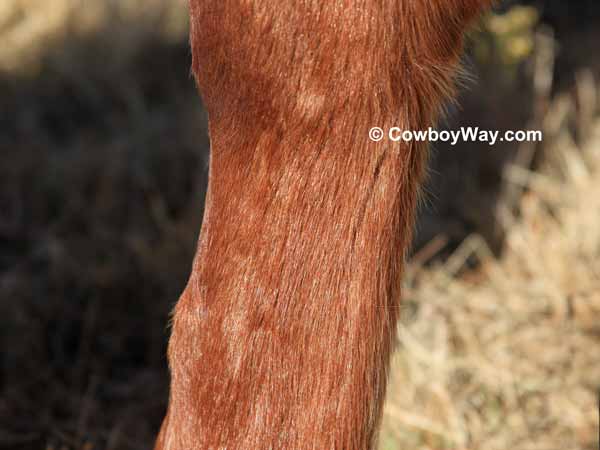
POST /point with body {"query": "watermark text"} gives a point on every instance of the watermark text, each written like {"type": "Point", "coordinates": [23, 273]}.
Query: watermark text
{"type": "Point", "coordinates": [454, 137]}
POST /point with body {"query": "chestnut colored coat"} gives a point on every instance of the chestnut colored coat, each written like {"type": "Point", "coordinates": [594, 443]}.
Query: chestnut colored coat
{"type": "Point", "coordinates": [283, 335]}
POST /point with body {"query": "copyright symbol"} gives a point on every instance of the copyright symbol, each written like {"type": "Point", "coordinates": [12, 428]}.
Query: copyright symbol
{"type": "Point", "coordinates": [376, 134]}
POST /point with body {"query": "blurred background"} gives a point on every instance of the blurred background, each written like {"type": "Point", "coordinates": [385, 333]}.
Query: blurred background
{"type": "Point", "coordinates": [103, 168]}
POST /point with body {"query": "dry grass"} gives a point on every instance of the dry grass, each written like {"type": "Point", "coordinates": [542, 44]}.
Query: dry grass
{"type": "Point", "coordinates": [508, 356]}
{"type": "Point", "coordinates": [29, 28]}
{"type": "Point", "coordinates": [100, 185]}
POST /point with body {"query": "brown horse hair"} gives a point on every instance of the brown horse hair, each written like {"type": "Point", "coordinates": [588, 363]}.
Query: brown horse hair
{"type": "Point", "coordinates": [282, 337]}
